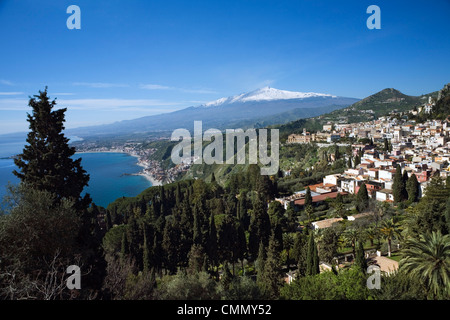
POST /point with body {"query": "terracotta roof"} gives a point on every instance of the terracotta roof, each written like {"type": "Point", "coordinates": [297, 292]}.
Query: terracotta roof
{"type": "Point", "coordinates": [320, 197]}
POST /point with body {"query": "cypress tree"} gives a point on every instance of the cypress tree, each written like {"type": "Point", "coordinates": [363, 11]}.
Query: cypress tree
{"type": "Point", "coordinates": [362, 198]}
{"type": "Point", "coordinates": [259, 226]}
{"type": "Point", "coordinates": [212, 242]}
{"type": "Point", "coordinates": [337, 153]}
{"type": "Point", "coordinates": [398, 187]}
{"type": "Point", "coordinates": [145, 256]}
{"type": "Point", "coordinates": [124, 250]}
{"type": "Point", "coordinates": [404, 182]}
{"type": "Point", "coordinates": [308, 198]}
{"type": "Point", "coordinates": [259, 263]}
{"type": "Point", "coordinates": [269, 280]}
{"type": "Point", "coordinates": [312, 258]}
{"type": "Point", "coordinates": [360, 259]}
{"type": "Point", "coordinates": [241, 245]}
{"type": "Point", "coordinates": [386, 145]}
{"type": "Point", "coordinates": [413, 188]}
{"type": "Point", "coordinates": [46, 161]}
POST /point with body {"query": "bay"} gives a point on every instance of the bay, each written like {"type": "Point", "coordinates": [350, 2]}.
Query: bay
{"type": "Point", "coordinates": [110, 176]}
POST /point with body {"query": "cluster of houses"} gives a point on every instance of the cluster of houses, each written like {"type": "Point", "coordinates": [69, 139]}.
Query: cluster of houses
{"type": "Point", "coordinates": [419, 149]}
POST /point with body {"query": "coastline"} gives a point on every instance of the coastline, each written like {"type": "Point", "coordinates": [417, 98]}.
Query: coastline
{"type": "Point", "coordinates": [143, 173]}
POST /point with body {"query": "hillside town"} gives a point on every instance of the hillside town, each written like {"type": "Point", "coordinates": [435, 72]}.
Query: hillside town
{"type": "Point", "coordinates": [420, 149]}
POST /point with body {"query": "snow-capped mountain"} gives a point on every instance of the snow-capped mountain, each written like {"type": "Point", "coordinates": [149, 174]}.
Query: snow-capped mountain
{"type": "Point", "coordinates": [266, 94]}
{"type": "Point", "coordinates": [258, 108]}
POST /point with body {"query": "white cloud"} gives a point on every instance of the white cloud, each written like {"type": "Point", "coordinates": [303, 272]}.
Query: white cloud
{"type": "Point", "coordinates": [11, 93]}
{"type": "Point", "coordinates": [63, 94]}
{"type": "Point", "coordinates": [14, 104]}
{"type": "Point", "coordinates": [95, 104]}
{"type": "Point", "coordinates": [161, 87]}
{"type": "Point", "coordinates": [154, 87]}
{"type": "Point", "coordinates": [101, 85]}
{"type": "Point", "coordinates": [6, 82]}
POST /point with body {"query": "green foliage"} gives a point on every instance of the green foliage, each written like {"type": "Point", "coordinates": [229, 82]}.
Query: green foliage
{"type": "Point", "coordinates": [428, 259]}
{"type": "Point", "coordinates": [196, 286]}
{"type": "Point", "coordinates": [348, 284]}
{"type": "Point", "coordinates": [46, 161]}
{"type": "Point", "coordinates": [362, 198]}
{"type": "Point", "coordinates": [37, 238]}
{"type": "Point", "coordinates": [413, 188]}
{"type": "Point", "coordinates": [312, 258]}
{"type": "Point", "coordinates": [269, 280]}
{"type": "Point", "coordinates": [398, 186]}
{"type": "Point", "coordinates": [360, 259]}
{"type": "Point", "coordinates": [242, 288]}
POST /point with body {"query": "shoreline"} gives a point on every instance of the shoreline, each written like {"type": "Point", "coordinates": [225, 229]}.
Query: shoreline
{"type": "Point", "coordinates": [149, 177]}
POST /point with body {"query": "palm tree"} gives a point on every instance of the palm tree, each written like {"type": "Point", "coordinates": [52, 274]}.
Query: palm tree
{"type": "Point", "coordinates": [390, 229]}
{"type": "Point", "coordinates": [429, 260]}
{"type": "Point", "coordinates": [351, 235]}
{"type": "Point", "coordinates": [372, 233]}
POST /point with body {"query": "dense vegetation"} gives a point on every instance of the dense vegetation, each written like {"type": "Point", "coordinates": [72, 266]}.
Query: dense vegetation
{"type": "Point", "coordinates": [205, 239]}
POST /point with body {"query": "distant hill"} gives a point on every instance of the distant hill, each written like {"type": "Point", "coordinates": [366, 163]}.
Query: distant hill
{"type": "Point", "coordinates": [258, 108]}
{"type": "Point", "coordinates": [369, 108]}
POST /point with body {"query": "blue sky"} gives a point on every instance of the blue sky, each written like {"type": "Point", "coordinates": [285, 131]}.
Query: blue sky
{"type": "Point", "coordinates": [136, 58]}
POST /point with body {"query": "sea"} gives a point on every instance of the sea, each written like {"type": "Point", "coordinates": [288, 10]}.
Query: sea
{"type": "Point", "coordinates": [111, 174]}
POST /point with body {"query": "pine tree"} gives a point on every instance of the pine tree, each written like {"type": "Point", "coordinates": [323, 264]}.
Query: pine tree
{"type": "Point", "coordinates": [46, 161]}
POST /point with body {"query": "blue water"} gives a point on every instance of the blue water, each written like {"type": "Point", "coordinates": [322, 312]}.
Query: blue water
{"type": "Point", "coordinates": [106, 170]}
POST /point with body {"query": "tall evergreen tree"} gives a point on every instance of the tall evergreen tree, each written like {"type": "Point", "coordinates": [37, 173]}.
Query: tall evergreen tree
{"type": "Point", "coordinates": [308, 198]}
{"type": "Point", "coordinates": [299, 253]}
{"type": "Point", "coordinates": [362, 198]}
{"type": "Point", "coordinates": [312, 259]}
{"type": "Point", "coordinates": [146, 256]}
{"type": "Point", "coordinates": [360, 259]}
{"type": "Point", "coordinates": [398, 186]}
{"type": "Point", "coordinates": [259, 226]}
{"type": "Point", "coordinates": [212, 243]}
{"type": "Point", "coordinates": [269, 280]}
{"type": "Point", "coordinates": [413, 188]}
{"type": "Point", "coordinates": [46, 162]}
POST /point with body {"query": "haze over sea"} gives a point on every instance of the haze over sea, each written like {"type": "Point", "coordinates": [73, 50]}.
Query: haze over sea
{"type": "Point", "coordinates": [109, 172]}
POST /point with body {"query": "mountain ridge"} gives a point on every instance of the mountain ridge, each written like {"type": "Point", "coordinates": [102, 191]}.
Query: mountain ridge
{"type": "Point", "coordinates": [250, 108]}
